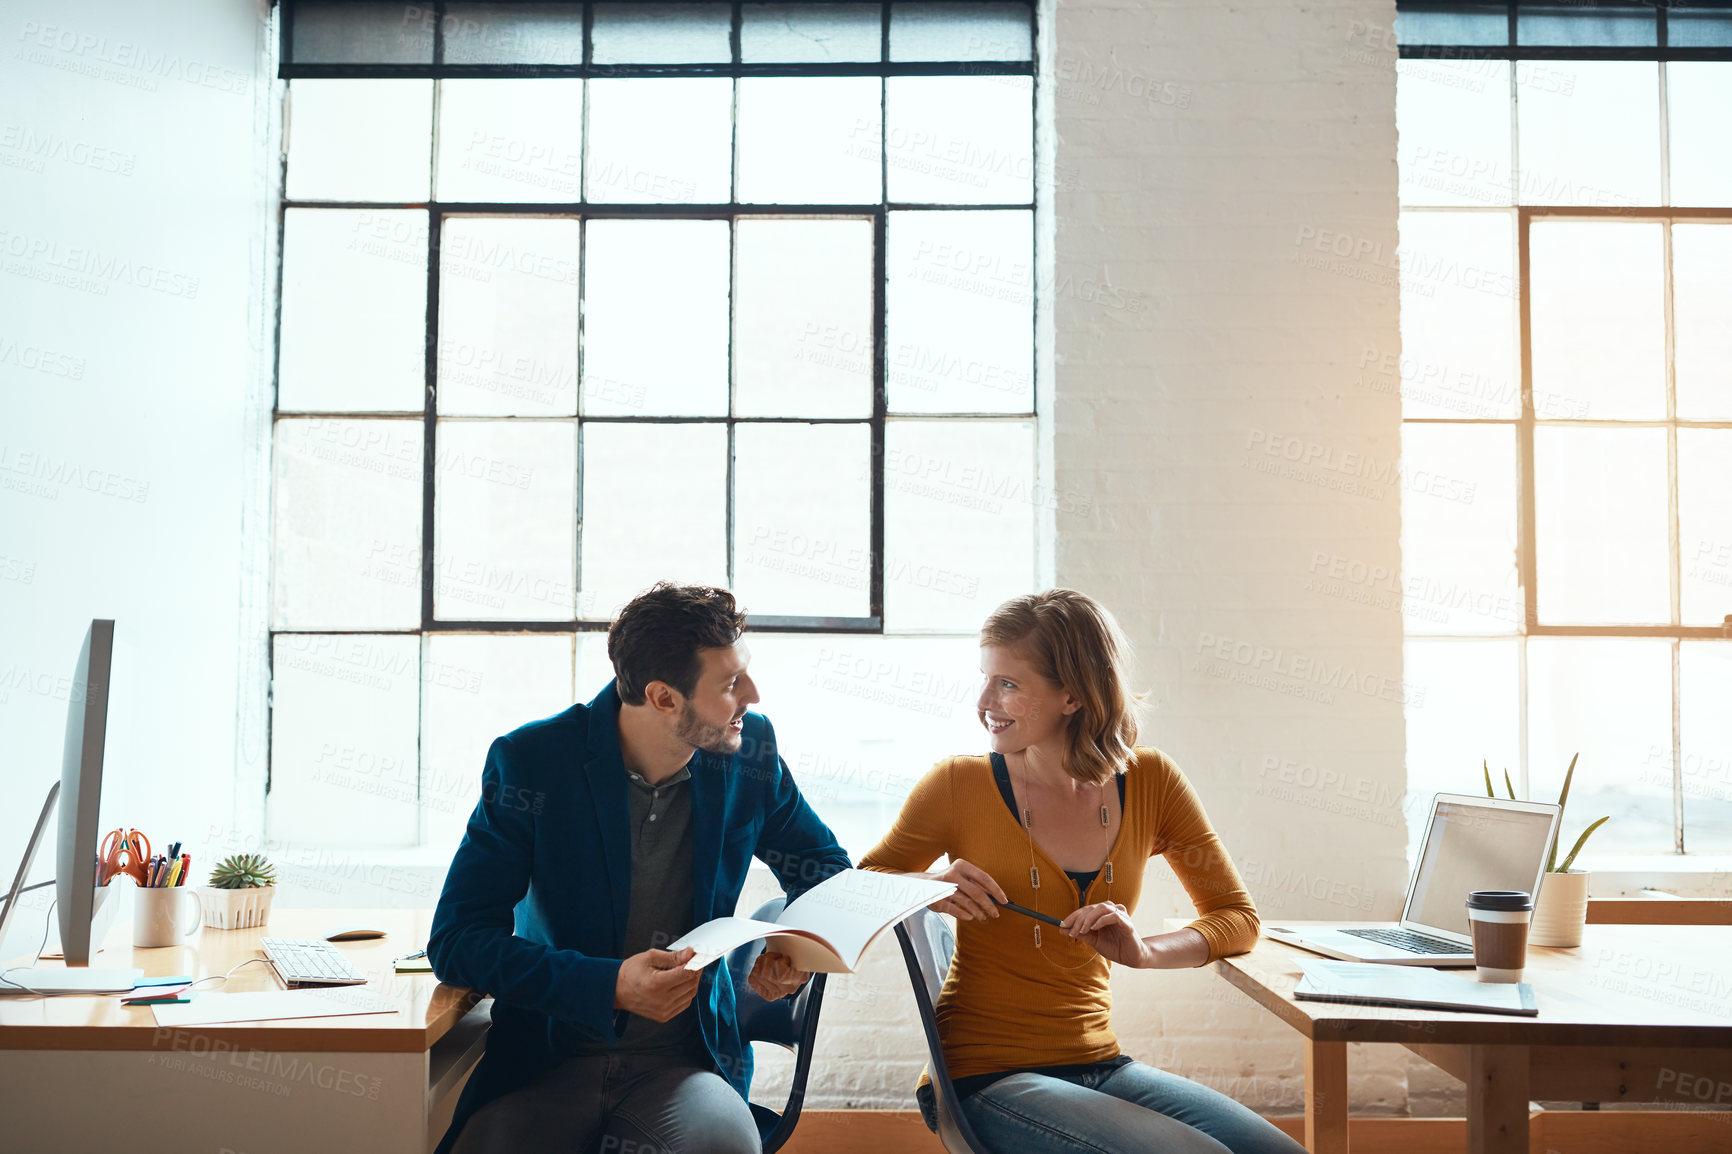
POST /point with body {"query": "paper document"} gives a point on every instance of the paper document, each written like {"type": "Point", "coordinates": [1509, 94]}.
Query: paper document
{"type": "Point", "coordinates": [272, 1005]}
{"type": "Point", "coordinates": [1368, 983]}
{"type": "Point", "coordinates": [826, 929]}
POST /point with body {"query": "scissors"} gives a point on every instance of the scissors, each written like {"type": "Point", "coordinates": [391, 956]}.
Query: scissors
{"type": "Point", "coordinates": [123, 852]}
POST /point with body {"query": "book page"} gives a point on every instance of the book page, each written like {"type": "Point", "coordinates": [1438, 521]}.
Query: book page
{"type": "Point", "coordinates": [807, 952]}
{"type": "Point", "coordinates": [852, 908]}
{"type": "Point", "coordinates": [715, 938]}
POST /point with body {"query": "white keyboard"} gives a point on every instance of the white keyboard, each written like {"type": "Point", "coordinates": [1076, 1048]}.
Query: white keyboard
{"type": "Point", "coordinates": [310, 962]}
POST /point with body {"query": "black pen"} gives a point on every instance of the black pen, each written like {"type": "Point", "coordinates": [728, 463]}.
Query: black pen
{"type": "Point", "coordinates": [1028, 913]}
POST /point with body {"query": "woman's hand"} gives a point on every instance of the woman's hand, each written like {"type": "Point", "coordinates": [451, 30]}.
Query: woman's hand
{"type": "Point", "coordinates": [976, 897]}
{"type": "Point", "coordinates": [1107, 927]}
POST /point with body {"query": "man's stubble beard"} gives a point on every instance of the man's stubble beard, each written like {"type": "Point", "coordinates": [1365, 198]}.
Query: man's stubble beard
{"type": "Point", "coordinates": [694, 731]}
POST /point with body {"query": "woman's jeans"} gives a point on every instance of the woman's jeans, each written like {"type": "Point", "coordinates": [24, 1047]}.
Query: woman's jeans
{"type": "Point", "coordinates": [1135, 1109]}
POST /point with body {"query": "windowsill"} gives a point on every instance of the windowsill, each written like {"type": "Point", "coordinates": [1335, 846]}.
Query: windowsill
{"type": "Point", "coordinates": [1616, 875]}
{"type": "Point", "coordinates": [394, 857]}
{"type": "Point", "coordinates": [1691, 875]}
{"type": "Point", "coordinates": [1685, 865]}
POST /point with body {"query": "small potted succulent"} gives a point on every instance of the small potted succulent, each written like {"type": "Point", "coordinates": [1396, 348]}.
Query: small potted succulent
{"type": "Point", "coordinates": [238, 895]}
{"type": "Point", "coordinates": [1561, 906]}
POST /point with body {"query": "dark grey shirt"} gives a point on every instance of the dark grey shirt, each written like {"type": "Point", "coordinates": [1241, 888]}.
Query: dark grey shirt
{"type": "Point", "coordinates": [661, 896]}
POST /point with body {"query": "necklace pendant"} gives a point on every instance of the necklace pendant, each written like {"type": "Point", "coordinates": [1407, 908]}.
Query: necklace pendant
{"type": "Point", "coordinates": [1034, 877]}
{"type": "Point", "coordinates": [1028, 819]}
{"type": "Point", "coordinates": [1104, 815]}
{"type": "Point", "coordinates": [1109, 871]}
{"type": "Point", "coordinates": [1037, 937]}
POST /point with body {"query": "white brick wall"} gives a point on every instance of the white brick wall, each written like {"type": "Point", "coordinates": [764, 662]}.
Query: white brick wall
{"type": "Point", "coordinates": [1229, 170]}
{"type": "Point", "coordinates": [1240, 139]}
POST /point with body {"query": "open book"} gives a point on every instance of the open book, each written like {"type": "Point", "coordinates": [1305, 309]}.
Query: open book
{"type": "Point", "coordinates": [826, 929]}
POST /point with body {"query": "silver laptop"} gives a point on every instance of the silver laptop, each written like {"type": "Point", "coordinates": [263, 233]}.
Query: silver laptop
{"type": "Point", "coordinates": [1471, 843]}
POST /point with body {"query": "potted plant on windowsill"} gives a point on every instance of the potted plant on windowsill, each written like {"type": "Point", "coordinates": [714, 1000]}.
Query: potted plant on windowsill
{"type": "Point", "coordinates": [238, 895]}
{"type": "Point", "coordinates": [1561, 906]}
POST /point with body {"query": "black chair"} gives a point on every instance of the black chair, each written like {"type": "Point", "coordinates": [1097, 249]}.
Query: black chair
{"type": "Point", "coordinates": [791, 1023]}
{"type": "Point", "coordinates": [927, 943]}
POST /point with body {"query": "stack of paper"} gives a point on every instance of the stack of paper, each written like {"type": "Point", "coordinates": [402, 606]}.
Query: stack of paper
{"type": "Point", "coordinates": [269, 1005]}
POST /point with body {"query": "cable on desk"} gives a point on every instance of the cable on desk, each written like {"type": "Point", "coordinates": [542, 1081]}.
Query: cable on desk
{"type": "Point", "coordinates": [37, 956]}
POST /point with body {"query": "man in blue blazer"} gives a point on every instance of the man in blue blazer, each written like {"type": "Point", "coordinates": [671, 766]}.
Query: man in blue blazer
{"type": "Point", "coordinates": [603, 834]}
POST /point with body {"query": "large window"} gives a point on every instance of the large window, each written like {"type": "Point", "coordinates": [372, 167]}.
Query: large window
{"type": "Point", "coordinates": [577, 297]}
{"type": "Point", "coordinates": [1566, 383]}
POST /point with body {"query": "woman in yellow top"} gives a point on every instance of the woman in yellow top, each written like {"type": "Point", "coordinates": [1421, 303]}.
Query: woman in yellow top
{"type": "Point", "coordinates": [1062, 817]}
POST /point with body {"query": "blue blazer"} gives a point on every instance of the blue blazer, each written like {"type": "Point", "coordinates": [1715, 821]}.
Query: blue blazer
{"type": "Point", "coordinates": [534, 908]}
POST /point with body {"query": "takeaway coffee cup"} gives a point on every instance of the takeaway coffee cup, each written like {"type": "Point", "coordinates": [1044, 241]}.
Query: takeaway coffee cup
{"type": "Point", "coordinates": [1499, 923]}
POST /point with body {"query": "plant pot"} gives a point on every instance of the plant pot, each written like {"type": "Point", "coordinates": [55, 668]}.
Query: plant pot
{"type": "Point", "coordinates": [1561, 910]}
{"type": "Point", "coordinates": [237, 909]}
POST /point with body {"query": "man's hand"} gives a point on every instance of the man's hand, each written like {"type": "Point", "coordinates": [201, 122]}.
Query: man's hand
{"type": "Point", "coordinates": [1107, 927]}
{"type": "Point", "coordinates": [773, 976]}
{"type": "Point", "coordinates": [976, 895]}
{"type": "Point", "coordinates": [655, 984]}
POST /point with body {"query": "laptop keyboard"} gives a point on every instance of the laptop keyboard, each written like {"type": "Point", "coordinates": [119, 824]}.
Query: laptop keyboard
{"type": "Point", "coordinates": [1413, 943]}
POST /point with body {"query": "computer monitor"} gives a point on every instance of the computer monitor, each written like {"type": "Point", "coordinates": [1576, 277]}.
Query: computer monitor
{"type": "Point", "coordinates": [81, 792]}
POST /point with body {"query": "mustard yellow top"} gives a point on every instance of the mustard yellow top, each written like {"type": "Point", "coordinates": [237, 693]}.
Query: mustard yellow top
{"type": "Point", "coordinates": [1007, 1005]}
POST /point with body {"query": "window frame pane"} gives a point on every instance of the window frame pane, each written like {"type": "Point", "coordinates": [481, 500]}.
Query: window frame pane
{"type": "Point", "coordinates": [511, 53]}
{"type": "Point", "coordinates": [1545, 70]}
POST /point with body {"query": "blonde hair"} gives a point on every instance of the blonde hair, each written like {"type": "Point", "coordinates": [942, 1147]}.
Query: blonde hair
{"type": "Point", "coordinates": [1073, 642]}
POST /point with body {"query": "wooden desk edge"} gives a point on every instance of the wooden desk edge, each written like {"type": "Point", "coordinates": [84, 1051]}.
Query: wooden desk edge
{"type": "Point", "coordinates": [454, 1003]}
{"type": "Point", "coordinates": [1260, 993]}
{"type": "Point", "coordinates": [1403, 1027]}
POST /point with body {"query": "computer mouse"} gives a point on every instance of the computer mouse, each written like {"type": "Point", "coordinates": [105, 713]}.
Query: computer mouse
{"type": "Point", "coordinates": [353, 934]}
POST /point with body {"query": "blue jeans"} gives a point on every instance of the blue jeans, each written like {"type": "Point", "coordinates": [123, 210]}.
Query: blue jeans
{"type": "Point", "coordinates": [1135, 1109]}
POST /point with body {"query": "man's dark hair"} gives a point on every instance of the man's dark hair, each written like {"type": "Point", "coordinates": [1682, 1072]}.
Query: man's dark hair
{"type": "Point", "coordinates": [657, 636]}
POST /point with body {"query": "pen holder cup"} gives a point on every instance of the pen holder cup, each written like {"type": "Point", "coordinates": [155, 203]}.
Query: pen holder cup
{"type": "Point", "coordinates": [157, 917]}
{"type": "Point", "coordinates": [105, 908]}
{"type": "Point", "coordinates": [237, 909]}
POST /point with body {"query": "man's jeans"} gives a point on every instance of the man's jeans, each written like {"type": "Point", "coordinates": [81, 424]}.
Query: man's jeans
{"type": "Point", "coordinates": [617, 1104]}
{"type": "Point", "coordinates": [1135, 1109]}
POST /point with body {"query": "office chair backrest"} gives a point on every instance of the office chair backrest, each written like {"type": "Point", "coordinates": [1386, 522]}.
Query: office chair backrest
{"type": "Point", "coordinates": [791, 1023]}
{"type": "Point", "coordinates": [927, 944]}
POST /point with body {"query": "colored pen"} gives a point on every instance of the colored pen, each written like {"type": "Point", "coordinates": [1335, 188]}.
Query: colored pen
{"type": "Point", "coordinates": [187, 858]}
{"type": "Point", "coordinates": [173, 873]}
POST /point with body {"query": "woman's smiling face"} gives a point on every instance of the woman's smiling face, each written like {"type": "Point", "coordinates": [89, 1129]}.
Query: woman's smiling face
{"type": "Point", "coordinates": [1018, 706]}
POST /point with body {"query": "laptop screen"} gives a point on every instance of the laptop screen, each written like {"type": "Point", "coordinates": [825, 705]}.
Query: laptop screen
{"type": "Point", "coordinates": [1473, 847]}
